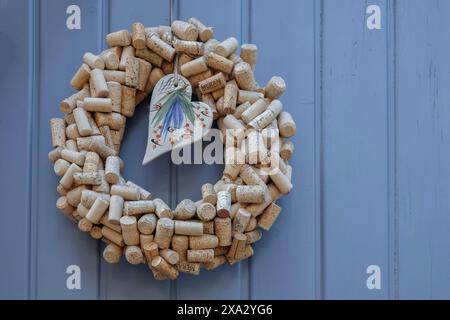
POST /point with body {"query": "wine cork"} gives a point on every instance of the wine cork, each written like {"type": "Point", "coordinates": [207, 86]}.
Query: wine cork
{"type": "Point", "coordinates": [204, 255]}
{"type": "Point", "coordinates": [71, 145]}
{"type": "Point", "coordinates": [112, 169]}
{"type": "Point", "coordinates": [211, 45]}
{"type": "Point", "coordinates": [150, 56]}
{"type": "Point", "coordinates": [55, 154]}
{"type": "Point", "coordinates": [247, 253]}
{"type": "Point", "coordinates": [88, 197]}
{"type": "Point", "coordinates": [84, 143]}
{"type": "Point", "coordinates": [91, 162]}
{"type": "Point", "coordinates": [249, 53]}
{"type": "Point", "coordinates": [73, 156]}
{"type": "Point", "coordinates": [170, 256]}
{"type": "Point", "coordinates": [235, 207]}
{"type": "Point", "coordinates": [84, 225]}
{"type": "Point", "coordinates": [194, 67]}
{"type": "Point", "coordinates": [240, 109]}
{"type": "Point", "coordinates": [162, 209]}
{"type": "Point", "coordinates": [206, 241]}
{"type": "Point", "coordinates": [60, 167]}
{"type": "Point", "coordinates": [208, 227]}
{"type": "Point", "coordinates": [113, 236]}
{"type": "Point", "coordinates": [114, 120]}
{"type": "Point", "coordinates": [112, 253]}
{"type": "Point", "coordinates": [217, 94]}
{"type": "Point", "coordinates": [188, 228]}
{"type": "Point", "coordinates": [145, 239]}
{"type": "Point", "coordinates": [206, 211]}
{"type": "Point", "coordinates": [241, 220]}
{"type": "Point", "coordinates": [161, 48]}
{"type": "Point", "coordinates": [184, 30]}
{"type": "Point", "coordinates": [249, 96]}
{"type": "Point", "coordinates": [253, 236]}
{"type": "Point", "coordinates": [138, 207]}
{"type": "Point", "coordinates": [164, 232]}
{"type": "Point", "coordinates": [63, 205]}
{"type": "Point", "coordinates": [266, 118]}
{"type": "Point", "coordinates": [106, 132]}
{"type": "Point", "coordinates": [126, 192]}
{"type": "Point", "coordinates": [193, 48]}
{"type": "Point", "coordinates": [237, 248]}
{"type": "Point", "coordinates": [268, 217]}
{"type": "Point", "coordinates": [220, 251]}
{"type": "Point", "coordinates": [87, 178]}
{"type": "Point", "coordinates": [81, 119]}
{"type": "Point", "coordinates": [68, 104]}
{"type": "Point", "coordinates": [244, 76]}
{"type": "Point", "coordinates": [67, 179]}
{"type": "Point", "coordinates": [145, 195]}
{"type": "Point", "coordinates": [287, 149]}
{"type": "Point", "coordinates": [204, 33]}
{"type": "Point", "coordinates": [129, 230]}
{"type": "Point", "coordinates": [281, 181]}
{"type": "Point", "coordinates": [196, 79]}
{"type": "Point", "coordinates": [103, 187]}
{"type": "Point", "coordinates": [97, 210]}
{"type": "Point", "coordinates": [115, 209]}
{"type": "Point", "coordinates": [134, 255]}
{"type": "Point", "coordinates": [138, 35]}
{"type": "Point", "coordinates": [81, 77]}
{"type": "Point", "coordinates": [217, 262]}
{"type": "Point", "coordinates": [250, 193]}
{"type": "Point", "coordinates": [120, 38]}
{"type": "Point", "coordinates": [165, 268]}
{"type": "Point", "coordinates": [252, 224]}
{"type": "Point", "coordinates": [230, 98]}
{"type": "Point", "coordinates": [102, 149]}
{"type": "Point", "coordinates": [185, 210]}
{"type": "Point", "coordinates": [213, 83]}
{"type": "Point", "coordinates": [114, 75]}
{"type": "Point", "coordinates": [180, 244]}
{"type": "Point", "coordinates": [96, 233]}
{"type": "Point", "coordinates": [128, 101]}
{"type": "Point", "coordinates": [223, 204]}
{"type": "Point", "coordinates": [227, 47]}
{"type": "Point", "coordinates": [256, 149]}
{"type": "Point", "coordinates": [275, 88]}
{"type": "Point", "coordinates": [222, 228]}
{"type": "Point", "coordinates": [286, 124]}
{"type": "Point", "coordinates": [151, 251]}
{"type": "Point", "coordinates": [111, 58]}
{"type": "Point", "coordinates": [99, 83]}
{"type": "Point", "coordinates": [147, 223]}
{"type": "Point", "coordinates": [219, 63]}
{"type": "Point", "coordinates": [188, 267]}
{"type": "Point", "coordinates": [115, 94]}
{"type": "Point", "coordinates": [254, 110]}
{"type": "Point", "coordinates": [58, 127]}
{"type": "Point", "coordinates": [93, 61]}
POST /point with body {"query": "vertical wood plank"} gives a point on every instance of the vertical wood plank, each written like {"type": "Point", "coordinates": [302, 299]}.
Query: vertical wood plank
{"type": "Point", "coordinates": [423, 149]}
{"type": "Point", "coordinates": [58, 241]}
{"type": "Point", "coordinates": [124, 281]}
{"type": "Point", "coordinates": [226, 282]}
{"type": "Point", "coordinates": [15, 126]}
{"type": "Point", "coordinates": [355, 150]}
{"type": "Point", "coordinates": [286, 254]}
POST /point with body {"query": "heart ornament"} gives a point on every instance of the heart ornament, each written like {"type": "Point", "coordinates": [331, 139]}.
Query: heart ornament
{"type": "Point", "coordinates": [174, 120]}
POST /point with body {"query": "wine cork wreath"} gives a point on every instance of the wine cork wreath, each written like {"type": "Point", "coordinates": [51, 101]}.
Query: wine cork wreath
{"type": "Point", "coordinates": [221, 226]}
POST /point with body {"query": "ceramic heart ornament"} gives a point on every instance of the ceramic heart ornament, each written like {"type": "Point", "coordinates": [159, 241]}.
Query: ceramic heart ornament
{"type": "Point", "coordinates": [174, 120]}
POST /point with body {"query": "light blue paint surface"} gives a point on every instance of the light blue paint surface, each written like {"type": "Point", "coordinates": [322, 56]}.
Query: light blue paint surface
{"type": "Point", "coordinates": [371, 165]}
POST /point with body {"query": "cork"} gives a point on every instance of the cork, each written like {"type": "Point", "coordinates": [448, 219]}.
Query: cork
{"type": "Point", "coordinates": [150, 56]}
{"type": "Point", "coordinates": [240, 221]}
{"type": "Point", "coordinates": [220, 251]}
{"type": "Point", "coordinates": [99, 83]}
{"type": "Point", "coordinates": [145, 239]}
{"type": "Point", "coordinates": [249, 96]}
{"type": "Point", "coordinates": [253, 236]}
{"type": "Point", "coordinates": [254, 110]}
{"type": "Point", "coordinates": [73, 156]}
{"type": "Point", "coordinates": [281, 181]}
{"type": "Point", "coordinates": [213, 83]}
{"type": "Point", "coordinates": [98, 105]}
{"type": "Point", "coordinates": [164, 232]}
{"type": "Point", "coordinates": [96, 233]}
{"type": "Point", "coordinates": [217, 262]}
{"type": "Point", "coordinates": [69, 118]}
{"type": "Point", "coordinates": [60, 167]}
{"type": "Point", "coordinates": [114, 120]}
{"type": "Point", "coordinates": [266, 118]}
{"type": "Point", "coordinates": [55, 154]}
{"type": "Point", "coordinates": [126, 192]}
{"type": "Point", "coordinates": [222, 228]}
{"type": "Point", "coordinates": [161, 48]}
{"type": "Point", "coordinates": [145, 195]}
{"type": "Point", "coordinates": [113, 236]}
{"type": "Point", "coordinates": [136, 72]}
{"type": "Point", "coordinates": [106, 133]}
{"type": "Point", "coordinates": [138, 207]}
{"type": "Point", "coordinates": [208, 227]}
{"type": "Point", "coordinates": [204, 255]}
{"type": "Point", "coordinates": [235, 207]}
{"type": "Point", "coordinates": [88, 197]}
{"type": "Point", "coordinates": [67, 179]}
{"type": "Point", "coordinates": [119, 38]}
{"type": "Point", "coordinates": [219, 63]}
{"type": "Point", "coordinates": [206, 211]}
{"type": "Point", "coordinates": [223, 204]}
{"type": "Point", "coordinates": [114, 75]}
{"type": "Point", "coordinates": [87, 178]}
{"type": "Point", "coordinates": [112, 253]}
{"type": "Point", "coordinates": [81, 77]}
{"type": "Point", "coordinates": [247, 253]}
{"type": "Point", "coordinates": [165, 268]}
{"type": "Point", "coordinates": [115, 209]}
{"type": "Point", "coordinates": [211, 45]}
{"type": "Point", "coordinates": [72, 145]}
{"type": "Point", "coordinates": [240, 109]}
{"type": "Point", "coordinates": [249, 53]}
{"type": "Point", "coordinates": [287, 149]}
{"type": "Point", "coordinates": [268, 217]}
{"type": "Point", "coordinates": [134, 255]}
{"type": "Point", "coordinates": [237, 248]}
{"type": "Point", "coordinates": [162, 210]}
{"type": "Point", "coordinates": [167, 67]}
{"type": "Point", "coordinates": [286, 124]}
{"type": "Point", "coordinates": [97, 210]}
{"type": "Point", "coordinates": [151, 251]}
{"type": "Point", "coordinates": [83, 143]}
{"type": "Point", "coordinates": [192, 268]}
{"type": "Point", "coordinates": [204, 33]}
{"type": "Point", "coordinates": [195, 80]}
{"type": "Point", "coordinates": [63, 205]}
{"type": "Point", "coordinates": [185, 210]}
{"type": "Point", "coordinates": [82, 122]}
{"type": "Point", "coordinates": [230, 98]}
{"type": "Point", "coordinates": [193, 48]}
{"type": "Point", "coordinates": [84, 225]}
{"type": "Point", "coordinates": [244, 76]}
{"type": "Point", "coordinates": [138, 35]}
{"type": "Point", "coordinates": [129, 230]}
{"type": "Point", "coordinates": [128, 101]}
{"type": "Point", "coordinates": [58, 128]}
{"type": "Point", "coordinates": [147, 223]}
{"type": "Point", "coordinates": [227, 47]}
{"type": "Point", "coordinates": [170, 256]}
{"type": "Point", "coordinates": [194, 67]}
{"type": "Point", "coordinates": [275, 88]}
{"type": "Point", "coordinates": [206, 241]}
{"type": "Point", "coordinates": [184, 30]}
{"type": "Point", "coordinates": [68, 104]}
{"type": "Point", "coordinates": [93, 61]}
{"type": "Point", "coordinates": [180, 244]}
{"type": "Point", "coordinates": [188, 228]}
{"type": "Point", "coordinates": [111, 58]}
{"type": "Point", "coordinates": [115, 94]}
{"type": "Point", "coordinates": [252, 224]}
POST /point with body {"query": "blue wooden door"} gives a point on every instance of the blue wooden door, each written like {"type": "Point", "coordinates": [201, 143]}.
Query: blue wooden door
{"type": "Point", "coordinates": [371, 165]}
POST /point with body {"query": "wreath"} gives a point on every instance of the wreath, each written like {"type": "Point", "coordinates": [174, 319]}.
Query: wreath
{"type": "Point", "coordinates": [173, 62]}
